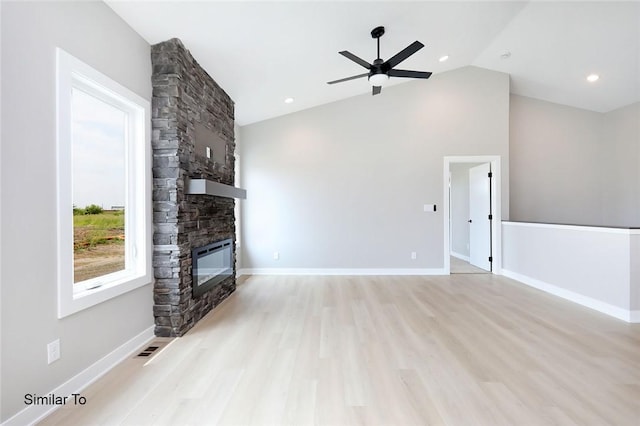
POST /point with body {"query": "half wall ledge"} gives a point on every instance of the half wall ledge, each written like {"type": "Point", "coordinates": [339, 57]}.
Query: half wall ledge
{"type": "Point", "coordinates": [209, 187]}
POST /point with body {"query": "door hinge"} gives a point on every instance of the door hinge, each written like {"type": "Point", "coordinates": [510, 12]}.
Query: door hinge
{"type": "Point", "coordinates": [490, 217]}
{"type": "Point", "coordinates": [490, 259]}
{"type": "Point", "coordinates": [490, 174]}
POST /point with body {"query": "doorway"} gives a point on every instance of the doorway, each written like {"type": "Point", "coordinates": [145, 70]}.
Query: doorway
{"type": "Point", "coordinates": [472, 215]}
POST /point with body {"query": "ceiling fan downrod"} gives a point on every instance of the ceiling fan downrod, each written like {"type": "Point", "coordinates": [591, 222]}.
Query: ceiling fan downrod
{"type": "Point", "coordinates": [376, 33]}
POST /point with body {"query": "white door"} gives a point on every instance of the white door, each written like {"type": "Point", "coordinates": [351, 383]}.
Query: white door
{"type": "Point", "coordinates": [479, 211]}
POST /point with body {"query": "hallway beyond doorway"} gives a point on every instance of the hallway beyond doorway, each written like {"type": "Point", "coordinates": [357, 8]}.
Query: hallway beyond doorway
{"type": "Point", "coordinates": [459, 266]}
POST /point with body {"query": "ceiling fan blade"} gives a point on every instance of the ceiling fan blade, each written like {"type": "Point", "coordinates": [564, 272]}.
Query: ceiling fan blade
{"type": "Point", "coordinates": [355, 59]}
{"type": "Point", "coordinates": [404, 54]}
{"type": "Point", "coordinates": [376, 90]}
{"type": "Point", "coordinates": [410, 74]}
{"type": "Point", "coordinates": [348, 78]}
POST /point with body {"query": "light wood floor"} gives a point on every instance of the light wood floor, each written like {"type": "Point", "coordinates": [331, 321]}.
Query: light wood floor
{"type": "Point", "coordinates": [451, 350]}
{"type": "Point", "coordinates": [459, 266]}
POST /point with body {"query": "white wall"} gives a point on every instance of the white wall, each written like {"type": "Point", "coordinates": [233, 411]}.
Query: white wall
{"type": "Point", "coordinates": [30, 32]}
{"type": "Point", "coordinates": [574, 166]}
{"type": "Point", "coordinates": [593, 266]}
{"type": "Point", "coordinates": [343, 185]}
{"type": "Point", "coordinates": [635, 273]}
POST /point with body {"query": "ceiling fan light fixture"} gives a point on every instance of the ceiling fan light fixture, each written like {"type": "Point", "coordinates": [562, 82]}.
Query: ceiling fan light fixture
{"type": "Point", "coordinates": [378, 79]}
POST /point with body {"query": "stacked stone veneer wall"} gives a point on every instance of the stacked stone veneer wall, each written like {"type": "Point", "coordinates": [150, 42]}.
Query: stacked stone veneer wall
{"type": "Point", "coordinates": [183, 95]}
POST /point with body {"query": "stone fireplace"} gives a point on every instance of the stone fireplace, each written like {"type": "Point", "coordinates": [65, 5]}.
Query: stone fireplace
{"type": "Point", "coordinates": [192, 139]}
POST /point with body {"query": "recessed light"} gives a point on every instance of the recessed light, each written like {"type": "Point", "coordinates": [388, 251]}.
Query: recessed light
{"type": "Point", "coordinates": [288, 100]}
{"type": "Point", "coordinates": [443, 58]}
{"type": "Point", "coordinates": [592, 78]}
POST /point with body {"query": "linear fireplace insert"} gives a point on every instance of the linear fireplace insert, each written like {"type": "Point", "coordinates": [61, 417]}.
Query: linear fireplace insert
{"type": "Point", "coordinates": [211, 265]}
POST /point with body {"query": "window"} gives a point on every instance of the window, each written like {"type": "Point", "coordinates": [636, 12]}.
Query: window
{"type": "Point", "coordinates": [104, 223]}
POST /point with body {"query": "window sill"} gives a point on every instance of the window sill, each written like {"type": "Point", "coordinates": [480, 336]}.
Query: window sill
{"type": "Point", "coordinates": [70, 302]}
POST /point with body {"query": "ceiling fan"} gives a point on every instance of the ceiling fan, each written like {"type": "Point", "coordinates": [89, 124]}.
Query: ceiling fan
{"type": "Point", "coordinates": [380, 71]}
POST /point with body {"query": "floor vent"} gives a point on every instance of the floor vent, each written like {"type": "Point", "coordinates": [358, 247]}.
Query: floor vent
{"type": "Point", "coordinates": [150, 350]}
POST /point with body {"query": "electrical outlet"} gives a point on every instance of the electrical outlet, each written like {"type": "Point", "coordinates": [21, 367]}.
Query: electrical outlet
{"type": "Point", "coordinates": [414, 256]}
{"type": "Point", "coordinates": [276, 255]}
{"type": "Point", "coordinates": [53, 351]}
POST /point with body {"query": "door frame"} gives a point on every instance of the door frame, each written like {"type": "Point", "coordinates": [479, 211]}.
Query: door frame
{"type": "Point", "coordinates": [496, 208]}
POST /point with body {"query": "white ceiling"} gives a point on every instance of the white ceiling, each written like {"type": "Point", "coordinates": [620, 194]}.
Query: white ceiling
{"type": "Point", "coordinates": [263, 52]}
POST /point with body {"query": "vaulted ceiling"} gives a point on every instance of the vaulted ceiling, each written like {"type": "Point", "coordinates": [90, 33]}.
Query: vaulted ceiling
{"type": "Point", "coordinates": [263, 52]}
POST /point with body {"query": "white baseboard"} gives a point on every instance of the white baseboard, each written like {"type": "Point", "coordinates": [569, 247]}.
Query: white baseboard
{"type": "Point", "coordinates": [340, 271]}
{"type": "Point", "coordinates": [34, 413]}
{"type": "Point", "coordinates": [605, 308]}
{"type": "Point", "coordinates": [460, 256]}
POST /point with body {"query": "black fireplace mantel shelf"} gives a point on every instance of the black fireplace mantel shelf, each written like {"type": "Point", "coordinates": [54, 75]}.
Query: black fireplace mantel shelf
{"type": "Point", "coordinates": [209, 187]}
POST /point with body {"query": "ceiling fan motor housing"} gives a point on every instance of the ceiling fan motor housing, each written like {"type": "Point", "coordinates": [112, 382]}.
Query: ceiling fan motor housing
{"type": "Point", "coordinates": [378, 72]}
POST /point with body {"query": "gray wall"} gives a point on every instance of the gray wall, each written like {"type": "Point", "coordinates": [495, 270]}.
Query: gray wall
{"type": "Point", "coordinates": [460, 207]}
{"type": "Point", "coordinates": [30, 33]}
{"type": "Point", "coordinates": [574, 166]}
{"type": "Point", "coordinates": [621, 167]}
{"type": "Point", "coordinates": [343, 185]}
{"type": "Point", "coordinates": [555, 152]}
{"type": "Point", "coordinates": [238, 202]}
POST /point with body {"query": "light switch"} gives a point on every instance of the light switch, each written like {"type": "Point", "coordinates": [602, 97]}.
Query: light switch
{"type": "Point", "coordinates": [429, 207]}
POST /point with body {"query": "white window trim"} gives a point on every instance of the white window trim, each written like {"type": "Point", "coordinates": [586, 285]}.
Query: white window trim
{"type": "Point", "coordinates": [72, 298]}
